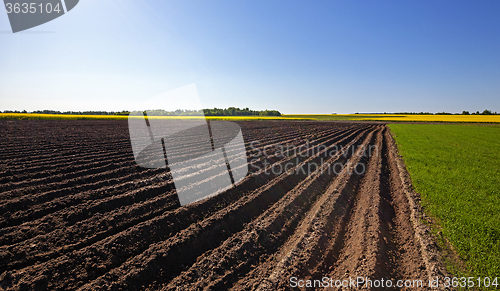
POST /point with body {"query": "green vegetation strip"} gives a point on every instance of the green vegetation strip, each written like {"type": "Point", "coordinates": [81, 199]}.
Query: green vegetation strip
{"type": "Point", "coordinates": [456, 169]}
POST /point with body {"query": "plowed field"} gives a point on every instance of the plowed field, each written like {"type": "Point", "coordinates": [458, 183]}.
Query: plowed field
{"type": "Point", "coordinates": [77, 213]}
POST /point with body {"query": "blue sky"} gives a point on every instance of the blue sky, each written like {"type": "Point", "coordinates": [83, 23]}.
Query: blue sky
{"type": "Point", "coordinates": [293, 56]}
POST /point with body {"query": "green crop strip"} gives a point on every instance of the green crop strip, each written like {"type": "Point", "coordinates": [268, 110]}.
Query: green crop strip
{"type": "Point", "coordinates": [456, 169]}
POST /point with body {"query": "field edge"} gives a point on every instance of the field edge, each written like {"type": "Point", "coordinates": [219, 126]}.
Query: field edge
{"type": "Point", "coordinates": [430, 245]}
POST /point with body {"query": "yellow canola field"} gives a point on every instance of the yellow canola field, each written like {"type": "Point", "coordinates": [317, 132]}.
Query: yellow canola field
{"type": "Point", "coordinates": [361, 117]}
{"type": "Point", "coordinates": [432, 118]}
{"type": "Point", "coordinates": [30, 116]}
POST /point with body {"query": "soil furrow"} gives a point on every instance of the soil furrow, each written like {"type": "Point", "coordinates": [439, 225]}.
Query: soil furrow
{"type": "Point", "coordinates": [211, 231]}
{"type": "Point", "coordinates": [120, 240]}
{"type": "Point", "coordinates": [260, 238]}
{"type": "Point", "coordinates": [77, 213]}
{"type": "Point", "coordinates": [67, 201]}
{"type": "Point", "coordinates": [295, 254]}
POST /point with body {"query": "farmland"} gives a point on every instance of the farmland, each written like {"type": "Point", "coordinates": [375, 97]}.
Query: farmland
{"type": "Point", "coordinates": [32, 116]}
{"type": "Point", "coordinates": [448, 118]}
{"type": "Point", "coordinates": [78, 213]}
{"type": "Point", "coordinates": [316, 117]}
{"type": "Point", "coordinates": [456, 169]}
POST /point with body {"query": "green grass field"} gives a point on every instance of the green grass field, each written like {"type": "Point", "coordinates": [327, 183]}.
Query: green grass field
{"type": "Point", "coordinates": [456, 169]}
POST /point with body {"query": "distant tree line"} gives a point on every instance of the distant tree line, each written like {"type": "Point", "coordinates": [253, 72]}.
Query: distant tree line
{"type": "Point", "coordinates": [231, 111]}
{"type": "Point", "coordinates": [485, 112]}
{"type": "Point", "coordinates": [178, 112]}
{"type": "Point", "coordinates": [234, 111]}
{"type": "Point", "coordinates": [70, 112]}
